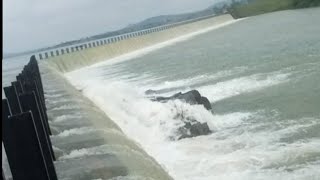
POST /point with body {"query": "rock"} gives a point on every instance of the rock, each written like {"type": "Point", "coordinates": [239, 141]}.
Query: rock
{"type": "Point", "coordinates": [206, 103]}
{"type": "Point", "coordinates": [191, 127]}
{"type": "Point", "coordinates": [199, 129]}
{"type": "Point", "coordinates": [190, 97]}
{"type": "Point", "coordinates": [192, 130]}
{"type": "Point", "coordinates": [150, 91]}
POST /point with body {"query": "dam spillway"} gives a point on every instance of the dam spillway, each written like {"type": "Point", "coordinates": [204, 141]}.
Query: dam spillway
{"type": "Point", "coordinates": [85, 57]}
{"type": "Point", "coordinates": [86, 143]}
{"type": "Point", "coordinates": [82, 130]}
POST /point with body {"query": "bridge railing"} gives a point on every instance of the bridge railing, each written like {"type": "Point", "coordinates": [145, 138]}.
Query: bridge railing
{"type": "Point", "coordinates": [108, 40]}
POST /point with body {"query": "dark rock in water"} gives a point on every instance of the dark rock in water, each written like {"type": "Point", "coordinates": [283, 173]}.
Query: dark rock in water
{"type": "Point", "coordinates": [191, 127]}
{"type": "Point", "coordinates": [199, 129]}
{"type": "Point", "coordinates": [191, 97]}
{"type": "Point", "coordinates": [150, 91]}
{"type": "Point", "coordinates": [206, 103]}
{"type": "Point", "coordinates": [193, 130]}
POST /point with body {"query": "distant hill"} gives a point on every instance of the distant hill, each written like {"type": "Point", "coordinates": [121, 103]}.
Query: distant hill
{"type": "Point", "coordinates": [215, 9]}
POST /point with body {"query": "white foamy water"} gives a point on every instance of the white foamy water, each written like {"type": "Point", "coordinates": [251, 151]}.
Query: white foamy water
{"type": "Point", "coordinates": [66, 107]}
{"type": "Point", "coordinates": [237, 149]}
{"type": "Point", "coordinates": [66, 117]}
{"type": "Point", "coordinates": [103, 149]}
{"type": "Point", "coordinates": [76, 131]}
{"type": "Point", "coordinates": [86, 130]}
{"type": "Point", "coordinates": [241, 85]}
{"type": "Point", "coordinates": [191, 81]}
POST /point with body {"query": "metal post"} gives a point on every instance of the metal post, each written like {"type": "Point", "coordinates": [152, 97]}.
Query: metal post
{"type": "Point", "coordinates": [30, 86]}
{"type": "Point", "coordinates": [18, 86]}
{"type": "Point", "coordinates": [29, 103]}
{"type": "Point", "coordinates": [13, 99]}
{"type": "Point", "coordinates": [24, 152]}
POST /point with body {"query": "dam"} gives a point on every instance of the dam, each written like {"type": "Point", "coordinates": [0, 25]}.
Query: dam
{"type": "Point", "coordinates": [260, 75]}
{"type": "Point", "coordinates": [77, 139]}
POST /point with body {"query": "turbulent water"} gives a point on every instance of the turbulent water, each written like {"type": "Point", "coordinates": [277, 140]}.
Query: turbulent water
{"type": "Point", "coordinates": [262, 77]}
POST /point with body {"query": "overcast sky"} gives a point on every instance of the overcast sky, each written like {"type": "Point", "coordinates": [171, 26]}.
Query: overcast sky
{"type": "Point", "coordinates": [30, 24]}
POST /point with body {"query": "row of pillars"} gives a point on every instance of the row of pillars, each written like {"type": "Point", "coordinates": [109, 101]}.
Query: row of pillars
{"type": "Point", "coordinates": [25, 127]}
{"type": "Point", "coordinates": [93, 44]}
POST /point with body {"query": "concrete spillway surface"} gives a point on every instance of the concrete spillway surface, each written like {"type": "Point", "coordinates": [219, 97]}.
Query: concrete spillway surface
{"type": "Point", "coordinates": [88, 145]}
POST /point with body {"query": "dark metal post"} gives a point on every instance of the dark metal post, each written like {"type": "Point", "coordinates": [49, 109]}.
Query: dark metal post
{"type": "Point", "coordinates": [30, 86]}
{"type": "Point", "coordinates": [13, 99]}
{"type": "Point", "coordinates": [29, 103]}
{"type": "Point", "coordinates": [18, 86]}
{"type": "Point", "coordinates": [24, 152]}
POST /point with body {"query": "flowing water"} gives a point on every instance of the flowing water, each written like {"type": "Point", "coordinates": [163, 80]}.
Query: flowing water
{"type": "Point", "coordinates": [262, 78]}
